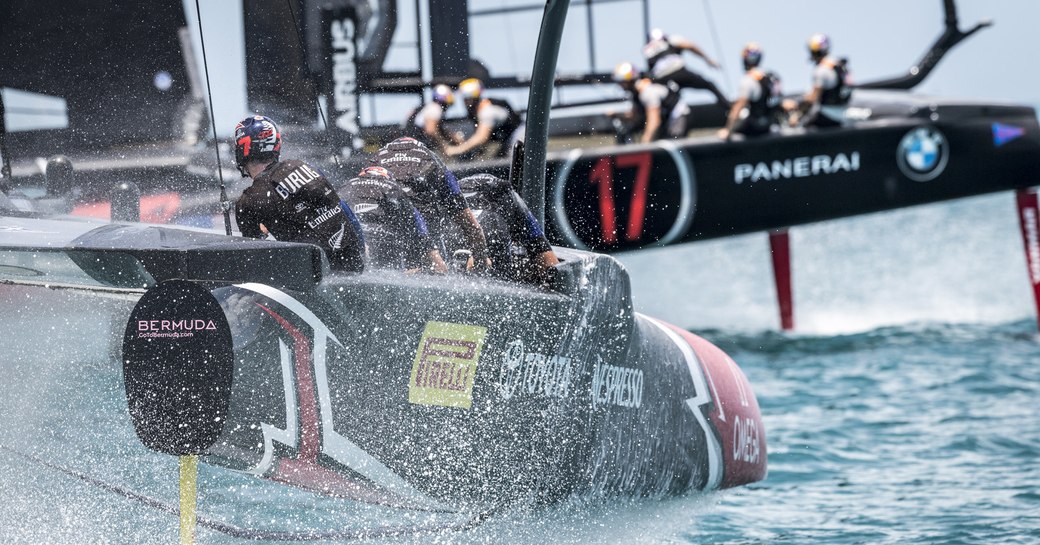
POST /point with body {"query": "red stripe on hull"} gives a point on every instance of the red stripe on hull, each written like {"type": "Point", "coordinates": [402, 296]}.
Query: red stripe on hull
{"type": "Point", "coordinates": [735, 414]}
{"type": "Point", "coordinates": [304, 471]}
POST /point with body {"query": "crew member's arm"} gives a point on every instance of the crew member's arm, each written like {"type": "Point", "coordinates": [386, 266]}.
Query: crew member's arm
{"type": "Point", "coordinates": [624, 115]}
{"type": "Point", "coordinates": [454, 204]}
{"type": "Point", "coordinates": [432, 128]}
{"type": "Point", "coordinates": [353, 241]}
{"type": "Point", "coordinates": [467, 223]}
{"type": "Point", "coordinates": [248, 221]}
{"type": "Point", "coordinates": [692, 48]}
{"type": "Point", "coordinates": [524, 228]}
{"type": "Point", "coordinates": [731, 119]}
{"type": "Point", "coordinates": [422, 253]}
{"type": "Point", "coordinates": [811, 98]}
{"type": "Point", "coordinates": [437, 262]}
{"type": "Point", "coordinates": [809, 102]}
{"type": "Point", "coordinates": [653, 122]}
{"type": "Point", "coordinates": [823, 77]}
{"type": "Point", "coordinates": [480, 137]}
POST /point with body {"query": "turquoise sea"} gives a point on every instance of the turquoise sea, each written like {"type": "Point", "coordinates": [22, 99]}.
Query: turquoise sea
{"type": "Point", "coordinates": [905, 409]}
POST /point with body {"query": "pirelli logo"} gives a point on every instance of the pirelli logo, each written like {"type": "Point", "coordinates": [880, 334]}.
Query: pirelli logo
{"type": "Point", "coordinates": [446, 364]}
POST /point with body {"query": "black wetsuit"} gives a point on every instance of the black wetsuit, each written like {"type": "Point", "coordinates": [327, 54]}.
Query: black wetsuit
{"type": "Point", "coordinates": [838, 95]}
{"type": "Point", "coordinates": [429, 184]}
{"type": "Point", "coordinates": [296, 204]}
{"type": "Point", "coordinates": [411, 130]}
{"type": "Point", "coordinates": [395, 232]}
{"type": "Point", "coordinates": [513, 234]}
{"type": "Point", "coordinates": [501, 134]}
{"type": "Point", "coordinates": [658, 49]}
{"type": "Point", "coordinates": [668, 104]}
{"type": "Point", "coordinates": [765, 112]}
{"type": "Point", "coordinates": [841, 93]}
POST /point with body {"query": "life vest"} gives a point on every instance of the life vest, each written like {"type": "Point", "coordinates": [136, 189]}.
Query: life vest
{"type": "Point", "coordinates": [668, 105]}
{"type": "Point", "coordinates": [840, 93]}
{"type": "Point", "coordinates": [768, 103]}
{"type": "Point", "coordinates": [670, 102]}
{"type": "Point", "coordinates": [503, 132]}
{"type": "Point", "coordinates": [413, 129]}
{"type": "Point", "coordinates": [658, 49]}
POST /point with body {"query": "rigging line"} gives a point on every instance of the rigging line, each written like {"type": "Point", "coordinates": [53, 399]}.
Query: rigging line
{"type": "Point", "coordinates": [718, 46]}
{"type": "Point", "coordinates": [225, 205]}
{"type": "Point", "coordinates": [314, 84]}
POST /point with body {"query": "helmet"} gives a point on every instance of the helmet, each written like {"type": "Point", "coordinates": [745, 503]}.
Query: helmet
{"type": "Point", "coordinates": [257, 138]}
{"type": "Point", "coordinates": [656, 34]}
{"type": "Point", "coordinates": [442, 95]}
{"type": "Point", "coordinates": [471, 88]}
{"type": "Point", "coordinates": [752, 55]}
{"type": "Point", "coordinates": [625, 72]}
{"type": "Point", "coordinates": [375, 172]}
{"type": "Point", "coordinates": [819, 45]}
{"type": "Point", "coordinates": [404, 143]}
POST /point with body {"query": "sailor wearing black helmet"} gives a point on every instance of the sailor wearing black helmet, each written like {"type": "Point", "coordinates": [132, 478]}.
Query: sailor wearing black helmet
{"type": "Point", "coordinates": [824, 106]}
{"type": "Point", "coordinates": [426, 123]}
{"type": "Point", "coordinates": [516, 242]}
{"type": "Point", "coordinates": [290, 199]}
{"type": "Point", "coordinates": [657, 109]}
{"type": "Point", "coordinates": [757, 109]}
{"type": "Point", "coordinates": [498, 126]}
{"type": "Point", "coordinates": [663, 55]}
{"type": "Point", "coordinates": [434, 191]}
{"type": "Point", "coordinates": [396, 235]}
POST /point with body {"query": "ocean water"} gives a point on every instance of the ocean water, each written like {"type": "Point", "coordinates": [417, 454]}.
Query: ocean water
{"type": "Point", "coordinates": [905, 409]}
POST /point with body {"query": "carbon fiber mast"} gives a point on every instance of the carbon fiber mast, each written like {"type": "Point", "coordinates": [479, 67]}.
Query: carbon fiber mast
{"type": "Point", "coordinates": [946, 41]}
{"type": "Point", "coordinates": [538, 104]}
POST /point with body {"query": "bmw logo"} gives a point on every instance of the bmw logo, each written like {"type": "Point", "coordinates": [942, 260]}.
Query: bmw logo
{"type": "Point", "coordinates": [923, 154]}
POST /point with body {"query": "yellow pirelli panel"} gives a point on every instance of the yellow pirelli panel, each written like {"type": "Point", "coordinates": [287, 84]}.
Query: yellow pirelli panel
{"type": "Point", "coordinates": [445, 364]}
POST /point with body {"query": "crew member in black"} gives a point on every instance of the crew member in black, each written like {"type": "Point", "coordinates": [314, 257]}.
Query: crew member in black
{"type": "Point", "coordinates": [396, 235]}
{"type": "Point", "coordinates": [426, 123]}
{"type": "Point", "coordinates": [433, 190]}
{"type": "Point", "coordinates": [516, 242]}
{"type": "Point", "coordinates": [291, 200]}
{"type": "Point", "coordinates": [498, 126]}
{"type": "Point", "coordinates": [824, 106]}
{"type": "Point", "coordinates": [664, 59]}
{"type": "Point", "coordinates": [657, 109]}
{"type": "Point", "coordinates": [758, 107]}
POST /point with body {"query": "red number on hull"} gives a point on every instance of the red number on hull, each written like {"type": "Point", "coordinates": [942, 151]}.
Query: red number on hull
{"type": "Point", "coordinates": [603, 175]}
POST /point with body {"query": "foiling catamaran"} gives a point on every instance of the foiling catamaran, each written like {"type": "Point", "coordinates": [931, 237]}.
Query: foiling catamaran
{"type": "Point", "coordinates": [896, 149]}
{"type": "Point", "coordinates": [448, 394]}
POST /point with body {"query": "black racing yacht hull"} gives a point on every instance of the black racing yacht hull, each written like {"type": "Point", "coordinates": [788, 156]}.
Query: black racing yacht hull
{"type": "Point", "coordinates": [451, 393]}
{"type": "Point", "coordinates": [432, 392]}
{"type": "Point", "coordinates": [909, 151]}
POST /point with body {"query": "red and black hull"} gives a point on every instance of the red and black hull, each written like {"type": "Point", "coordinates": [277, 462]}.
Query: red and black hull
{"type": "Point", "coordinates": [463, 393]}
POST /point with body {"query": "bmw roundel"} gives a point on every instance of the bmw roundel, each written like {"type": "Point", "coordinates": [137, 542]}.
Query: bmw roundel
{"type": "Point", "coordinates": [923, 154]}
